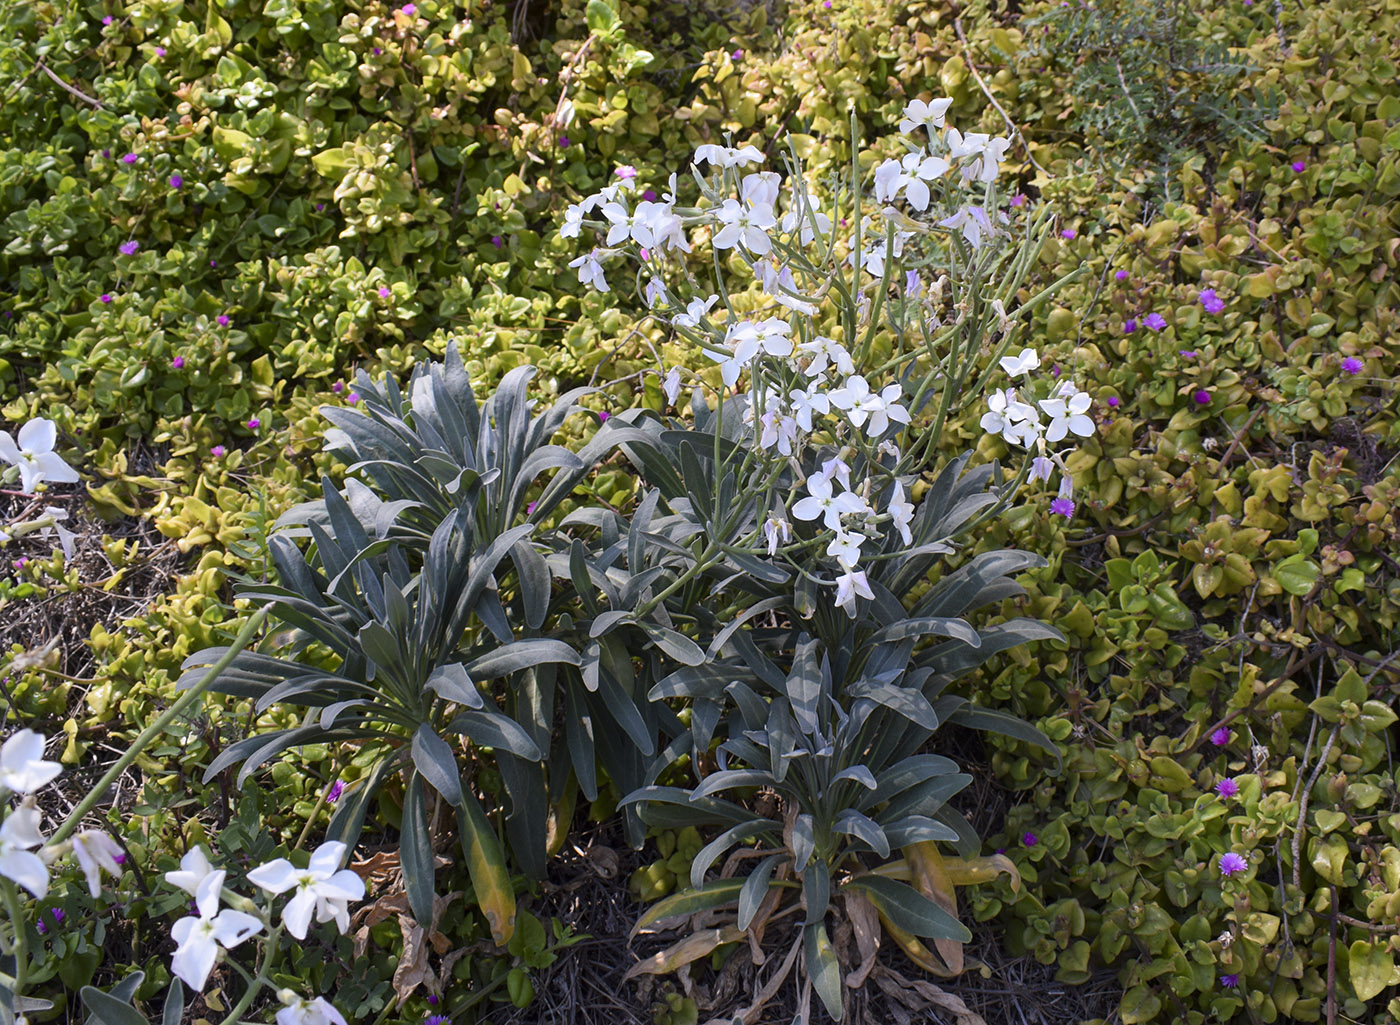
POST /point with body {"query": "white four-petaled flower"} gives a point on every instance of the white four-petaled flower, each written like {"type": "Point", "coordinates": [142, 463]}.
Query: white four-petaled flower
{"type": "Point", "coordinates": [1067, 413]}
{"type": "Point", "coordinates": [19, 833]}
{"type": "Point", "coordinates": [307, 1012]}
{"type": "Point", "coordinates": [22, 766]}
{"type": "Point", "coordinates": [928, 115]}
{"type": "Point", "coordinates": [901, 512]}
{"type": "Point", "coordinates": [322, 887]}
{"type": "Point", "coordinates": [199, 937]}
{"type": "Point", "coordinates": [97, 853]}
{"type": "Point", "coordinates": [1015, 366]}
{"type": "Point", "coordinates": [34, 455]}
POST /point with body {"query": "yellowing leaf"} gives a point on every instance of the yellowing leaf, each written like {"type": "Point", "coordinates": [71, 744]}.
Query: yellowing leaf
{"type": "Point", "coordinates": [1371, 967]}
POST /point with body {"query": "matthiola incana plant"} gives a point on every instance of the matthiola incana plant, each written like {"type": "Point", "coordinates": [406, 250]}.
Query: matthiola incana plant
{"type": "Point", "coordinates": [826, 520]}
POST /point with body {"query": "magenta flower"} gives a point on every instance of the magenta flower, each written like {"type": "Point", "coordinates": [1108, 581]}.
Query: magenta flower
{"type": "Point", "coordinates": [333, 794]}
{"type": "Point", "coordinates": [603, 416]}
{"type": "Point", "coordinates": [563, 142]}
{"type": "Point", "coordinates": [1212, 302]}
{"type": "Point", "coordinates": [353, 397]}
{"type": "Point", "coordinates": [1230, 863]}
{"type": "Point", "coordinates": [433, 999]}
{"type": "Point", "coordinates": [105, 297]}
{"type": "Point", "coordinates": [497, 241]}
{"type": "Point", "coordinates": [1029, 839]}
{"type": "Point", "coordinates": [384, 292]}
{"type": "Point", "coordinates": [438, 1019]}
{"type": "Point", "coordinates": [1113, 401]}
{"type": "Point", "coordinates": [178, 362]}
{"type": "Point", "coordinates": [1129, 326]}
{"type": "Point", "coordinates": [1232, 980]}
{"type": "Point", "coordinates": [1202, 397]}
{"type": "Point", "coordinates": [1352, 365]}
{"type": "Point", "coordinates": [409, 10]}
{"type": "Point", "coordinates": [107, 20]}
{"type": "Point", "coordinates": [1062, 507]}
{"type": "Point", "coordinates": [530, 509]}
{"type": "Point", "coordinates": [377, 51]}
{"type": "Point", "coordinates": [1155, 321]}
{"type": "Point", "coordinates": [160, 51]}
{"type": "Point", "coordinates": [1227, 787]}
{"type": "Point", "coordinates": [1120, 275]}
{"type": "Point", "coordinates": [1018, 200]}
{"type": "Point", "coordinates": [213, 263]}
{"type": "Point", "coordinates": [254, 424]}
{"type": "Point", "coordinates": [218, 451]}
{"type": "Point", "coordinates": [626, 171]}
{"type": "Point", "coordinates": [827, 4]}
{"type": "Point", "coordinates": [1220, 737]}
{"type": "Point", "coordinates": [176, 181]}
{"type": "Point", "coordinates": [737, 55]}
{"type": "Point", "coordinates": [21, 562]}
{"type": "Point", "coordinates": [130, 158]}
{"type": "Point", "coordinates": [129, 248]}
{"type": "Point", "coordinates": [1187, 353]}
{"type": "Point", "coordinates": [222, 320]}
{"type": "Point", "coordinates": [649, 195]}
{"type": "Point", "coordinates": [337, 387]}
{"type": "Point", "coordinates": [1299, 166]}
{"type": "Point", "coordinates": [1068, 233]}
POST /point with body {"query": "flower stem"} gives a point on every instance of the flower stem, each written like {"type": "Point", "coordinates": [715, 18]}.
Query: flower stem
{"type": "Point", "coordinates": [261, 980]}
{"type": "Point", "coordinates": [21, 939]}
{"type": "Point", "coordinates": [155, 729]}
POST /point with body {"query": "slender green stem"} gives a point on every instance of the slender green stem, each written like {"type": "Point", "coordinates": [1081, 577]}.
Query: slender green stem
{"type": "Point", "coordinates": [156, 728]}
{"type": "Point", "coordinates": [21, 940]}
{"type": "Point", "coordinates": [259, 981]}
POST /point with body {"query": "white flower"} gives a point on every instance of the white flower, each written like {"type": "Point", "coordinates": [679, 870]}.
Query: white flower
{"type": "Point", "coordinates": [307, 1012]}
{"type": "Point", "coordinates": [929, 115]}
{"type": "Point", "coordinates": [986, 167]}
{"type": "Point", "coordinates": [1066, 486]}
{"type": "Point", "coordinates": [628, 224]}
{"type": "Point", "coordinates": [573, 220]}
{"type": "Point", "coordinates": [654, 292]}
{"type": "Point", "coordinates": [909, 175]}
{"type": "Point", "coordinates": [22, 766]}
{"type": "Point", "coordinates": [727, 156]}
{"type": "Point", "coordinates": [746, 224]}
{"type": "Point", "coordinates": [1016, 421]}
{"type": "Point", "coordinates": [695, 311]}
{"type": "Point", "coordinates": [824, 350]}
{"type": "Point", "coordinates": [749, 338]}
{"type": "Point", "coordinates": [901, 511]}
{"type": "Point", "coordinates": [820, 501]}
{"type": "Point", "coordinates": [34, 455]}
{"type": "Point", "coordinates": [97, 853]}
{"type": "Point", "coordinates": [775, 531]}
{"type": "Point", "coordinates": [804, 404]}
{"type": "Point", "coordinates": [590, 271]}
{"type": "Point", "coordinates": [780, 285]}
{"type": "Point", "coordinates": [862, 405]}
{"type": "Point", "coordinates": [1041, 468]}
{"type": "Point", "coordinates": [973, 222]}
{"type": "Point", "coordinates": [671, 385]}
{"type": "Point", "coordinates": [849, 586]}
{"type": "Point", "coordinates": [199, 937]}
{"type": "Point", "coordinates": [665, 226]}
{"type": "Point", "coordinates": [845, 548]}
{"type": "Point", "coordinates": [194, 869]}
{"type": "Point", "coordinates": [970, 145]}
{"type": "Point", "coordinates": [1015, 366]}
{"type": "Point", "coordinates": [836, 469]}
{"type": "Point", "coordinates": [804, 217]}
{"type": "Point", "coordinates": [1067, 414]}
{"type": "Point", "coordinates": [778, 429]}
{"type": "Point", "coordinates": [322, 887]}
{"type": "Point", "coordinates": [18, 833]}
{"type": "Point", "coordinates": [66, 537]}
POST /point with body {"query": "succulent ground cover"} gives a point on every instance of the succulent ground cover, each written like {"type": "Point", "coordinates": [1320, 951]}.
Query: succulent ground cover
{"type": "Point", "coordinates": [229, 231]}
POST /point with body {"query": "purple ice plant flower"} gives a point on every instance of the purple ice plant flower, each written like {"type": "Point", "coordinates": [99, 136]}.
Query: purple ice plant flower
{"type": "Point", "coordinates": [1069, 233]}
{"type": "Point", "coordinates": [626, 172]}
{"type": "Point", "coordinates": [1155, 321]}
{"type": "Point", "coordinates": [1220, 737]}
{"type": "Point", "coordinates": [130, 158]}
{"type": "Point", "coordinates": [1187, 353]}
{"type": "Point", "coordinates": [353, 397]}
{"type": "Point", "coordinates": [497, 241]}
{"type": "Point", "coordinates": [432, 999]}
{"type": "Point", "coordinates": [563, 142]}
{"type": "Point", "coordinates": [437, 1019]}
{"type": "Point", "coordinates": [1299, 166]}
{"type": "Point", "coordinates": [1062, 507]}
{"type": "Point", "coordinates": [1113, 401]}
{"type": "Point", "coordinates": [222, 320]}
{"type": "Point", "coordinates": [218, 451]}
{"type": "Point", "coordinates": [129, 248]}
{"type": "Point", "coordinates": [1227, 788]}
{"type": "Point", "coordinates": [1352, 365]}
{"type": "Point", "coordinates": [1120, 275]}
{"type": "Point", "coordinates": [1202, 397]}
{"type": "Point", "coordinates": [1018, 200]}
{"type": "Point", "coordinates": [1230, 863]}
{"type": "Point", "coordinates": [737, 55]}
{"type": "Point", "coordinates": [176, 181]}
{"type": "Point", "coordinates": [1232, 980]}
{"type": "Point", "coordinates": [105, 297]}
{"type": "Point", "coordinates": [1212, 302]}
{"type": "Point", "coordinates": [107, 20]}
{"type": "Point", "coordinates": [333, 794]}
{"type": "Point", "coordinates": [160, 51]}
{"type": "Point", "coordinates": [1129, 326]}
{"type": "Point", "coordinates": [384, 292]}
{"type": "Point", "coordinates": [178, 362]}
{"type": "Point", "coordinates": [338, 387]}
{"type": "Point", "coordinates": [409, 10]}
{"type": "Point", "coordinates": [649, 195]}
{"type": "Point", "coordinates": [1029, 839]}
{"type": "Point", "coordinates": [254, 424]}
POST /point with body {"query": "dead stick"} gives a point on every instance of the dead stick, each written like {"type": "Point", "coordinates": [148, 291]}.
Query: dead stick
{"type": "Point", "coordinates": [68, 88]}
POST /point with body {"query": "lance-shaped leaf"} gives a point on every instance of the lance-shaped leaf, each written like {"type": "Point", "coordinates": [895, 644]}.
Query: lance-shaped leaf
{"type": "Point", "coordinates": [494, 730]}
{"type": "Point", "coordinates": [755, 888]}
{"type": "Point", "coordinates": [822, 968]}
{"type": "Point", "coordinates": [909, 909]}
{"type": "Point", "coordinates": [486, 865]}
{"type": "Point", "coordinates": [692, 948]}
{"type": "Point", "coordinates": [518, 655]}
{"type": "Point", "coordinates": [416, 852]}
{"type": "Point", "coordinates": [688, 902]}
{"type": "Point", "coordinates": [702, 861]}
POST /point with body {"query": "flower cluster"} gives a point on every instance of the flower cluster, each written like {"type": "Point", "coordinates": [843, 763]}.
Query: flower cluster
{"type": "Point", "coordinates": [323, 889]}
{"type": "Point", "coordinates": [802, 361]}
